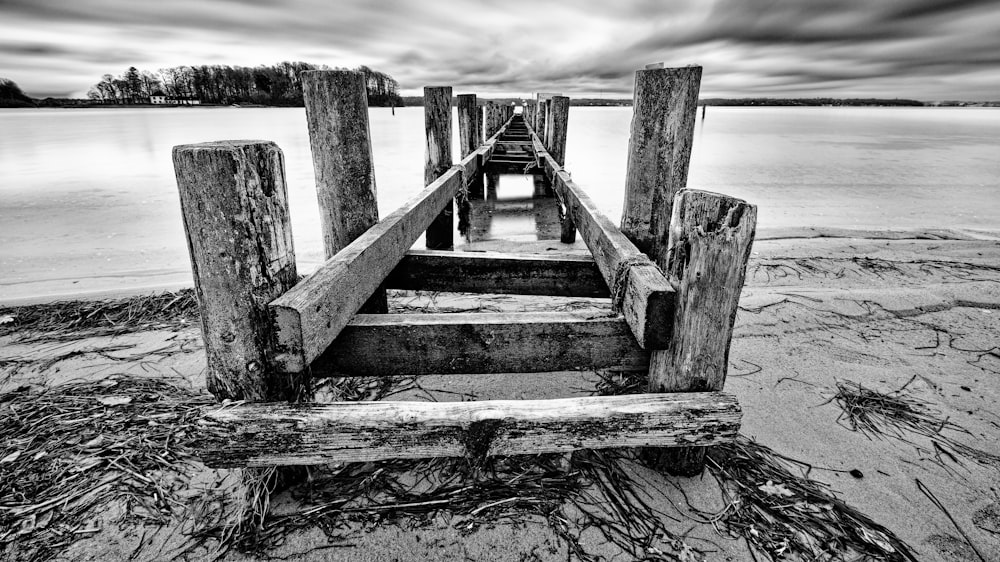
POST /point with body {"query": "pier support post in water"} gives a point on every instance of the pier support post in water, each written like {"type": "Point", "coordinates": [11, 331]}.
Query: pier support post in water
{"type": "Point", "coordinates": [558, 127]}
{"type": "Point", "coordinates": [437, 159]}
{"type": "Point", "coordinates": [706, 255]}
{"type": "Point", "coordinates": [336, 103]}
{"type": "Point", "coordinates": [468, 124]}
{"type": "Point", "coordinates": [235, 207]}
{"type": "Point", "coordinates": [663, 119]}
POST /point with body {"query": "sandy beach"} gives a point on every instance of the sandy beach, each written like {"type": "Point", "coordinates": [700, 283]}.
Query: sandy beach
{"type": "Point", "coordinates": [867, 363]}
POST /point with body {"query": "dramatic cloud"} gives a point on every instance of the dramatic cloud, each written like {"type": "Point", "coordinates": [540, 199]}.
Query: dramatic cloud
{"type": "Point", "coordinates": [924, 49]}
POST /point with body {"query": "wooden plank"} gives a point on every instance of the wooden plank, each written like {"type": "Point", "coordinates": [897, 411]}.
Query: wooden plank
{"type": "Point", "coordinates": [258, 435]}
{"type": "Point", "coordinates": [499, 273]}
{"type": "Point", "coordinates": [234, 202]}
{"type": "Point", "coordinates": [476, 343]}
{"type": "Point", "coordinates": [665, 108]}
{"type": "Point", "coordinates": [336, 103]}
{"type": "Point", "coordinates": [709, 245]}
{"type": "Point", "coordinates": [437, 160]}
{"type": "Point", "coordinates": [644, 295]}
{"type": "Point", "coordinates": [309, 316]}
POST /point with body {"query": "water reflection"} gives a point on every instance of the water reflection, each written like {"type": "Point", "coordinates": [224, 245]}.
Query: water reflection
{"type": "Point", "coordinates": [494, 214]}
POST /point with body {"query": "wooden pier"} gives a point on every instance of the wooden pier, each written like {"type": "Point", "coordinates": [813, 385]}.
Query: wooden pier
{"type": "Point", "coordinates": [673, 272]}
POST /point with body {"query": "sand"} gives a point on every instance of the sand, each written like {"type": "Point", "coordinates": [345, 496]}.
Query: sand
{"type": "Point", "coordinates": [887, 312]}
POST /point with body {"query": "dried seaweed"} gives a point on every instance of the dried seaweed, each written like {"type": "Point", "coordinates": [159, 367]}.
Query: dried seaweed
{"type": "Point", "coordinates": [901, 415]}
{"type": "Point", "coordinates": [72, 447]}
{"type": "Point", "coordinates": [72, 319]}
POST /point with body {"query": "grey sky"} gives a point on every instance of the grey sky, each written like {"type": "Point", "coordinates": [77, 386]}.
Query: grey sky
{"type": "Point", "coordinates": [922, 49]}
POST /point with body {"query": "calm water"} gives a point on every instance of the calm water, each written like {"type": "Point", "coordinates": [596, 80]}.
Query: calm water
{"type": "Point", "coordinates": [88, 200]}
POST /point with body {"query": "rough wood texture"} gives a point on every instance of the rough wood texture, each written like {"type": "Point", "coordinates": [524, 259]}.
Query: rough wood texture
{"type": "Point", "coordinates": [640, 288]}
{"type": "Point", "coordinates": [476, 343]}
{"type": "Point", "coordinates": [559, 125]}
{"type": "Point", "coordinates": [277, 434]}
{"type": "Point", "coordinates": [437, 160]}
{"type": "Point", "coordinates": [708, 249]}
{"type": "Point", "coordinates": [490, 272]}
{"type": "Point", "coordinates": [665, 108]}
{"type": "Point", "coordinates": [311, 315]}
{"type": "Point", "coordinates": [469, 134]}
{"type": "Point", "coordinates": [235, 207]}
{"type": "Point", "coordinates": [540, 120]}
{"type": "Point", "coordinates": [336, 103]}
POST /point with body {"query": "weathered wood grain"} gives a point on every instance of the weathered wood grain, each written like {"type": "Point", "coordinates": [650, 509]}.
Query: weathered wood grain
{"type": "Point", "coordinates": [278, 434]}
{"type": "Point", "coordinates": [477, 343]}
{"type": "Point", "coordinates": [665, 107]}
{"type": "Point", "coordinates": [309, 316]}
{"type": "Point", "coordinates": [336, 103]}
{"type": "Point", "coordinates": [646, 298]}
{"type": "Point", "coordinates": [437, 160]}
{"type": "Point", "coordinates": [491, 272]}
{"type": "Point", "coordinates": [469, 135]}
{"type": "Point", "coordinates": [710, 240]}
{"type": "Point", "coordinates": [235, 207]}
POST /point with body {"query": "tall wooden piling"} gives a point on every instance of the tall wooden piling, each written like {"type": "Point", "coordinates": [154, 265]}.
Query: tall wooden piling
{"type": "Point", "coordinates": [707, 253]}
{"type": "Point", "coordinates": [437, 159]}
{"type": "Point", "coordinates": [665, 108]}
{"type": "Point", "coordinates": [336, 105]}
{"type": "Point", "coordinates": [468, 124]}
{"type": "Point", "coordinates": [558, 125]}
{"type": "Point", "coordinates": [235, 207]}
{"type": "Point", "coordinates": [543, 107]}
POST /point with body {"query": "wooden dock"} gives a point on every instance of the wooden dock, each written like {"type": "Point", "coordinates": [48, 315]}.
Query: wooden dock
{"type": "Point", "coordinates": [673, 272]}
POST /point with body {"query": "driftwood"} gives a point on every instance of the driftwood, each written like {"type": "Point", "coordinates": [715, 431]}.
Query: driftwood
{"type": "Point", "coordinates": [259, 435]}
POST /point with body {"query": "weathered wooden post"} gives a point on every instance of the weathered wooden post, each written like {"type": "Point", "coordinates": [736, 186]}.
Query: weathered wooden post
{"type": "Point", "coordinates": [235, 207]}
{"type": "Point", "coordinates": [468, 124]}
{"type": "Point", "coordinates": [558, 124]}
{"type": "Point", "coordinates": [437, 159]}
{"type": "Point", "coordinates": [700, 240]}
{"type": "Point", "coordinates": [540, 122]}
{"type": "Point", "coordinates": [336, 103]}
{"type": "Point", "coordinates": [663, 120]}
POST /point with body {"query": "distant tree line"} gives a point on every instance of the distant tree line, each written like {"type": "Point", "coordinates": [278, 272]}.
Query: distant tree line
{"type": "Point", "coordinates": [277, 84]}
{"type": "Point", "coordinates": [12, 96]}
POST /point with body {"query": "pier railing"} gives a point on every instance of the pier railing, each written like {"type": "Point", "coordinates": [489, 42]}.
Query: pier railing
{"type": "Point", "coordinates": [673, 271]}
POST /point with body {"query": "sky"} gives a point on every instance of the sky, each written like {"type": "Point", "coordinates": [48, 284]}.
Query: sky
{"type": "Point", "coordinates": [919, 49]}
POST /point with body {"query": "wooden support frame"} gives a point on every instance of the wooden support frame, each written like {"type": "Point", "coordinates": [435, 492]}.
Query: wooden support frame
{"type": "Point", "coordinates": [499, 273]}
{"type": "Point", "coordinates": [261, 435]}
{"type": "Point", "coordinates": [642, 292]}
{"type": "Point", "coordinates": [480, 343]}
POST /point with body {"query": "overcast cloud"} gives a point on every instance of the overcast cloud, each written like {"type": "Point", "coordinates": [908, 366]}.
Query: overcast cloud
{"type": "Point", "coordinates": [922, 49]}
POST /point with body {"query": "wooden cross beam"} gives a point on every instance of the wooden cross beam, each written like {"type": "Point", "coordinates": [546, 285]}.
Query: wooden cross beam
{"type": "Point", "coordinates": [276, 434]}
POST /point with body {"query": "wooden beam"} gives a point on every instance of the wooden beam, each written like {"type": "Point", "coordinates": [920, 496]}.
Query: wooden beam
{"type": "Point", "coordinates": [309, 316]}
{"type": "Point", "coordinates": [336, 103]}
{"type": "Point", "coordinates": [235, 208]}
{"type": "Point", "coordinates": [437, 160]}
{"type": "Point", "coordinates": [477, 343]}
{"type": "Point", "coordinates": [258, 435]}
{"type": "Point", "coordinates": [469, 135]}
{"type": "Point", "coordinates": [709, 245]}
{"type": "Point", "coordinates": [489, 272]}
{"type": "Point", "coordinates": [642, 293]}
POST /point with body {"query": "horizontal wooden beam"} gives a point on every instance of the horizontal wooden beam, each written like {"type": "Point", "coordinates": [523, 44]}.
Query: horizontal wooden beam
{"type": "Point", "coordinates": [476, 343]}
{"type": "Point", "coordinates": [310, 315]}
{"type": "Point", "coordinates": [491, 272]}
{"type": "Point", "coordinates": [645, 296]}
{"type": "Point", "coordinates": [275, 434]}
